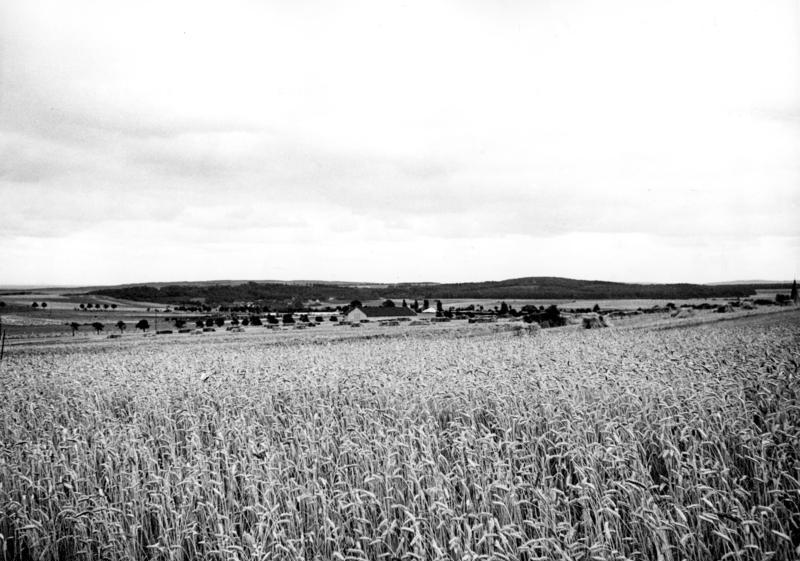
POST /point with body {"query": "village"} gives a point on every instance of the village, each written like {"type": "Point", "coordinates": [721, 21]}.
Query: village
{"type": "Point", "coordinates": [390, 313]}
{"type": "Point", "coordinates": [58, 314]}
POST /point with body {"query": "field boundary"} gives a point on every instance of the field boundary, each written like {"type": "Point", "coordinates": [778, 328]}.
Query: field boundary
{"type": "Point", "coordinates": [664, 325]}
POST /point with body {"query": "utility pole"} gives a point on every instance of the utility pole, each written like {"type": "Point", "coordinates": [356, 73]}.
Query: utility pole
{"type": "Point", "coordinates": [2, 339]}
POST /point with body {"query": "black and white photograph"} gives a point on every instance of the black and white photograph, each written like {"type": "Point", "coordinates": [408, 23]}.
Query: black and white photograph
{"type": "Point", "coordinates": [465, 280]}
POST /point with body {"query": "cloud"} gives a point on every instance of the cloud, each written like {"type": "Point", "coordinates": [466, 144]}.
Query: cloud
{"type": "Point", "coordinates": [23, 160]}
{"type": "Point", "coordinates": [435, 123]}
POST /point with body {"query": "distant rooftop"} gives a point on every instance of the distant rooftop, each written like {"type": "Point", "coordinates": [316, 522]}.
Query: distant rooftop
{"type": "Point", "coordinates": [381, 311]}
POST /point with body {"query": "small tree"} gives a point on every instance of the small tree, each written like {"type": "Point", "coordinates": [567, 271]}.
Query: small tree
{"type": "Point", "coordinates": [503, 309]}
{"type": "Point", "coordinates": [355, 304]}
{"type": "Point", "coordinates": [200, 323]}
{"type": "Point", "coordinates": [98, 327]}
{"type": "Point", "coordinates": [210, 322]}
{"type": "Point", "coordinates": [425, 305]}
{"type": "Point", "coordinates": [83, 306]}
{"type": "Point", "coordinates": [219, 322]}
{"type": "Point", "coordinates": [113, 306]}
{"type": "Point", "coordinates": [121, 325]}
{"type": "Point", "coordinates": [35, 305]}
{"type": "Point", "coordinates": [388, 304]}
{"type": "Point", "coordinates": [234, 321]}
{"type": "Point", "coordinates": [255, 320]}
{"type": "Point", "coordinates": [553, 315]}
{"type": "Point", "coordinates": [245, 321]}
{"type": "Point", "coordinates": [288, 319]}
{"type": "Point", "coordinates": [74, 326]}
{"type": "Point", "coordinates": [179, 322]}
{"type": "Point", "coordinates": [143, 324]}
{"type": "Point", "coordinates": [2, 304]}
{"type": "Point", "coordinates": [793, 294]}
{"type": "Point", "coordinates": [405, 304]}
{"type": "Point", "coordinates": [597, 307]}
{"type": "Point", "coordinates": [44, 305]}
{"type": "Point", "coordinates": [105, 306]}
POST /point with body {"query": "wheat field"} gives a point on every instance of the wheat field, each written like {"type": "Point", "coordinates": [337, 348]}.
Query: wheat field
{"type": "Point", "coordinates": [663, 445]}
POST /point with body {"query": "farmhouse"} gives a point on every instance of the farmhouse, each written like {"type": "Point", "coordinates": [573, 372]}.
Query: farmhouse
{"type": "Point", "coordinates": [428, 313]}
{"type": "Point", "coordinates": [378, 313]}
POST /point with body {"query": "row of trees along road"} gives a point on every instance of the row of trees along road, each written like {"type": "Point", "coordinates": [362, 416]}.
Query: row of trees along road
{"type": "Point", "coordinates": [143, 324]}
{"type": "Point", "coordinates": [97, 306]}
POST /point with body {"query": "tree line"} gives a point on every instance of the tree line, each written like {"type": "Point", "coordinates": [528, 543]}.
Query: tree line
{"type": "Point", "coordinates": [278, 296]}
{"type": "Point", "coordinates": [210, 322]}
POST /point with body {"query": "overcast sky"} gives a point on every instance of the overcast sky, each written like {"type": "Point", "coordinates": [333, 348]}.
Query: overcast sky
{"type": "Point", "coordinates": [399, 141]}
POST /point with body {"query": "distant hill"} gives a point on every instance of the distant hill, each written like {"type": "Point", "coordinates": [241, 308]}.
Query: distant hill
{"type": "Point", "coordinates": [562, 288]}
{"type": "Point", "coordinates": [278, 294]}
{"type": "Point", "coordinates": [760, 283]}
{"type": "Point", "coordinates": [226, 282]}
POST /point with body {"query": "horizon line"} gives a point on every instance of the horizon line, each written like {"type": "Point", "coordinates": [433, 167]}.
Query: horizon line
{"type": "Point", "coordinates": [40, 286]}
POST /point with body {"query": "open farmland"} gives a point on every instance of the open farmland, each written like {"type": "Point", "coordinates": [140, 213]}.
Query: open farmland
{"type": "Point", "coordinates": [609, 444]}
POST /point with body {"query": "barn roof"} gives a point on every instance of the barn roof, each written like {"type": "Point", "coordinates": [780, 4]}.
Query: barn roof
{"type": "Point", "coordinates": [383, 312]}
